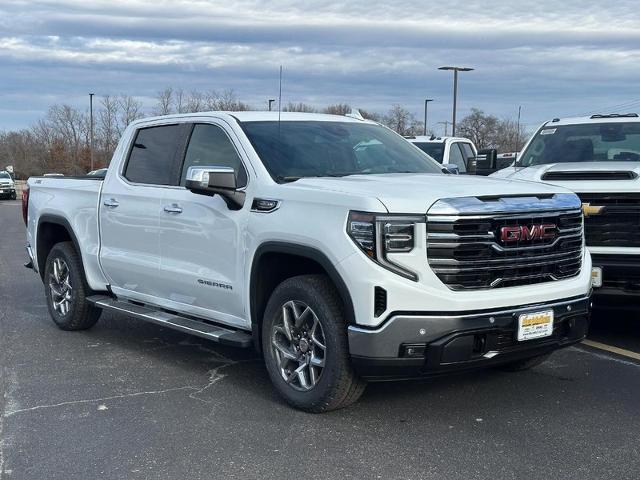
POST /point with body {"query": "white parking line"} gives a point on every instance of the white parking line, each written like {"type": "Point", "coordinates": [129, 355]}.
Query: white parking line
{"type": "Point", "coordinates": [612, 349]}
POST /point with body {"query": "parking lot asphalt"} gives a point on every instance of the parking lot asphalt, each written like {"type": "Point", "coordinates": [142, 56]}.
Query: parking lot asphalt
{"type": "Point", "coordinates": [131, 400]}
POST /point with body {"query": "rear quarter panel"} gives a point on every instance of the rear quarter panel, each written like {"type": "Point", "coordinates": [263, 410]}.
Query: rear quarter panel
{"type": "Point", "coordinates": [73, 202]}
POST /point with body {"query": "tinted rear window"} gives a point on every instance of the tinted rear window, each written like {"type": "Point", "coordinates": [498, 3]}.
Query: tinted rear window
{"type": "Point", "coordinates": [153, 157]}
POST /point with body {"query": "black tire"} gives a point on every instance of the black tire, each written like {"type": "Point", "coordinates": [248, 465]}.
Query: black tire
{"type": "Point", "coordinates": [13, 196]}
{"type": "Point", "coordinates": [525, 364]}
{"type": "Point", "coordinates": [80, 314]}
{"type": "Point", "coordinates": [338, 385]}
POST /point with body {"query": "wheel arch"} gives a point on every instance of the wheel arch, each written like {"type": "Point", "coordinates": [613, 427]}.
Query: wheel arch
{"type": "Point", "coordinates": [53, 229]}
{"type": "Point", "coordinates": [308, 260]}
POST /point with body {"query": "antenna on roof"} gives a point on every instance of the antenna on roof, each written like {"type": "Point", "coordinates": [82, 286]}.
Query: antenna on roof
{"type": "Point", "coordinates": [280, 100]}
{"type": "Point", "coordinates": [355, 113]}
{"type": "Point", "coordinates": [515, 159]}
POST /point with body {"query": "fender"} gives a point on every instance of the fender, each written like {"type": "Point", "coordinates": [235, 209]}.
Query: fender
{"type": "Point", "coordinates": [63, 222]}
{"type": "Point", "coordinates": [301, 251]}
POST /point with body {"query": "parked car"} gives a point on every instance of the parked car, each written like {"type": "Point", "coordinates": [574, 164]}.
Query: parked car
{"type": "Point", "coordinates": [7, 186]}
{"type": "Point", "coordinates": [455, 152]}
{"type": "Point", "coordinates": [598, 157]}
{"type": "Point", "coordinates": [330, 244]}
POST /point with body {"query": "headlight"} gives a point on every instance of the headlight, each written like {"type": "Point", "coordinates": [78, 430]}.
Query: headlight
{"type": "Point", "coordinates": [378, 235]}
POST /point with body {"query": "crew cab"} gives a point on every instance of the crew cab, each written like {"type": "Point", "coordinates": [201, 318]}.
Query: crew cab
{"type": "Point", "coordinates": [454, 152]}
{"type": "Point", "coordinates": [598, 157]}
{"type": "Point", "coordinates": [338, 250]}
{"type": "Point", "coordinates": [7, 186]}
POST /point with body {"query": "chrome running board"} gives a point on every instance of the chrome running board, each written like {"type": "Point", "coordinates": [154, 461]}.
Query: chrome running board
{"type": "Point", "coordinates": [199, 328]}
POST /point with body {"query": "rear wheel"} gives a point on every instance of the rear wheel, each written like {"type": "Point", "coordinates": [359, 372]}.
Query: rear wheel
{"type": "Point", "coordinates": [66, 289]}
{"type": "Point", "coordinates": [304, 343]}
{"type": "Point", "coordinates": [525, 364]}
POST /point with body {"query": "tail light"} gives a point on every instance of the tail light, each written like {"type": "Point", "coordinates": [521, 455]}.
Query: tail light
{"type": "Point", "coordinates": [25, 203]}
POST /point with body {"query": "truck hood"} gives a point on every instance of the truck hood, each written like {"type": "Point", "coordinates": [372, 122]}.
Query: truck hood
{"type": "Point", "coordinates": [581, 177]}
{"type": "Point", "coordinates": [415, 193]}
{"type": "Point", "coordinates": [6, 181]}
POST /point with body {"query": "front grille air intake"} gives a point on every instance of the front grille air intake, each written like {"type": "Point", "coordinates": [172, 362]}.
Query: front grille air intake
{"type": "Point", "coordinates": [471, 248]}
{"type": "Point", "coordinates": [603, 175]}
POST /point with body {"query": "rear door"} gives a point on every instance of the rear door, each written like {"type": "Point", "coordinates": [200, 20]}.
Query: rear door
{"type": "Point", "coordinates": [130, 206]}
{"type": "Point", "coordinates": [200, 240]}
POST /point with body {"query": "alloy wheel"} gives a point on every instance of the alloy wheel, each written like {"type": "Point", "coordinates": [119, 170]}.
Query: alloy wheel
{"type": "Point", "coordinates": [298, 345]}
{"type": "Point", "coordinates": [60, 286]}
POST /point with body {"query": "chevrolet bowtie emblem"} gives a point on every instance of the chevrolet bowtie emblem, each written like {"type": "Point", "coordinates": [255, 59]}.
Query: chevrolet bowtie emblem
{"type": "Point", "coordinates": [589, 209]}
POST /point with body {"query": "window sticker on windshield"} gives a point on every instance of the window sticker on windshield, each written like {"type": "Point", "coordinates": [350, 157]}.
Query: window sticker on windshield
{"type": "Point", "coordinates": [548, 131]}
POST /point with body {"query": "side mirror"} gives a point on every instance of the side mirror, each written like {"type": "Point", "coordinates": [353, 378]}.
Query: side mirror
{"type": "Point", "coordinates": [216, 180]}
{"type": "Point", "coordinates": [451, 168]}
{"type": "Point", "coordinates": [486, 161]}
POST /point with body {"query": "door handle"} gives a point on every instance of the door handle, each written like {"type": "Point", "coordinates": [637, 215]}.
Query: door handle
{"type": "Point", "coordinates": [111, 203]}
{"type": "Point", "coordinates": [173, 208]}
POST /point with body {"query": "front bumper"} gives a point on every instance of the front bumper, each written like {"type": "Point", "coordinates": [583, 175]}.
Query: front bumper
{"type": "Point", "coordinates": [7, 191]}
{"type": "Point", "coordinates": [620, 274]}
{"type": "Point", "coordinates": [412, 345]}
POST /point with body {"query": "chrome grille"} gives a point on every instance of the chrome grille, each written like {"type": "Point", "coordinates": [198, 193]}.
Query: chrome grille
{"type": "Point", "coordinates": [465, 251]}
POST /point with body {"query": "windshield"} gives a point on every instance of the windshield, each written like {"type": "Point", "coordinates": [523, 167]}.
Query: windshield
{"type": "Point", "coordinates": [434, 150]}
{"type": "Point", "coordinates": [292, 150]}
{"type": "Point", "coordinates": [4, 175]}
{"type": "Point", "coordinates": [602, 142]}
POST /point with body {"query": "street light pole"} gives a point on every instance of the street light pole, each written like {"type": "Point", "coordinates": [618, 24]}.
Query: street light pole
{"type": "Point", "coordinates": [426, 103]}
{"type": "Point", "coordinates": [455, 89]}
{"type": "Point", "coordinates": [91, 128]}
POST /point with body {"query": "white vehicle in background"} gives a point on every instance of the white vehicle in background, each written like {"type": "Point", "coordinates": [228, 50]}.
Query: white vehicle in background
{"type": "Point", "coordinates": [338, 250]}
{"type": "Point", "coordinates": [7, 186]}
{"type": "Point", "coordinates": [598, 157]}
{"type": "Point", "coordinates": [451, 152]}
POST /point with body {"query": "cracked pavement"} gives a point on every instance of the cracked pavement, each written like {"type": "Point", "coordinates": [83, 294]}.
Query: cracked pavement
{"type": "Point", "coordinates": [131, 400]}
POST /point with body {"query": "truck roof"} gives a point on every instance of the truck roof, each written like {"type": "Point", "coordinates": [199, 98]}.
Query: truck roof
{"type": "Point", "coordinates": [258, 116]}
{"type": "Point", "coordinates": [597, 118]}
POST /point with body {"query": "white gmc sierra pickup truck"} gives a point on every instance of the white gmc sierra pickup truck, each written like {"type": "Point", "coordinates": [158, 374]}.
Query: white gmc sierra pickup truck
{"type": "Point", "coordinates": [336, 248]}
{"type": "Point", "coordinates": [598, 157]}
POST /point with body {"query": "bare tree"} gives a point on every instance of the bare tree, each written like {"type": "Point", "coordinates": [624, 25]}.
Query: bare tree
{"type": "Point", "coordinates": [488, 131]}
{"type": "Point", "coordinates": [299, 107]}
{"type": "Point", "coordinates": [130, 110]}
{"type": "Point", "coordinates": [164, 102]}
{"type": "Point", "coordinates": [107, 131]}
{"type": "Point", "coordinates": [338, 109]}
{"type": "Point", "coordinates": [402, 121]}
{"type": "Point", "coordinates": [196, 102]}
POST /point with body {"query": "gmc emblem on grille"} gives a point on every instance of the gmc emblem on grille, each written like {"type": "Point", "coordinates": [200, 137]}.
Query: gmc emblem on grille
{"type": "Point", "coordinates": [522, 232]}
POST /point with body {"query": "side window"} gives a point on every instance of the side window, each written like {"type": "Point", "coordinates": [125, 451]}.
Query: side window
{"type": "Point", "coordinates": [152, 158]}
{"type": "Point", "coordinates": [210, 146]}
{"type": "Point", "coordinates": [455, 157]}
{"type": "Point", "coordinates": [468, 151]}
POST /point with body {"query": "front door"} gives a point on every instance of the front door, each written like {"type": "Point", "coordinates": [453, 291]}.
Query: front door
{"type": "Point", "coordinates": [200, 236]}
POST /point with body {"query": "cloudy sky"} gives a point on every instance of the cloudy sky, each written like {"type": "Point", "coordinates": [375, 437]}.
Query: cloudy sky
{"type": "Point", "coordinates": [554, 58]}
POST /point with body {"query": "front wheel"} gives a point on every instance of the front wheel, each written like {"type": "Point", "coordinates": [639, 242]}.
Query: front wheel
{"type": "Point", "coordinates": [305, 347]}
{"type": "Point", "coordinates": [66, 289]}
{"type": "Point", "coordinates": [13, 196]}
